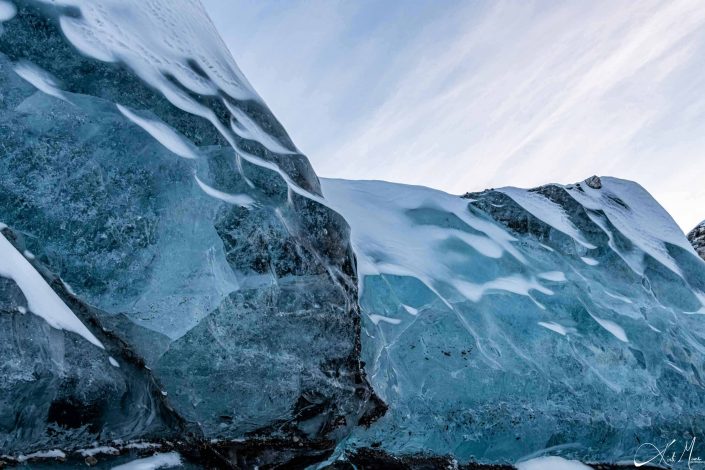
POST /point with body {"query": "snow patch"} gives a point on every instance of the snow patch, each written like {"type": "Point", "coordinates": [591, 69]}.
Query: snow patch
{"type": "Point", "coordinates": [635, 213]}
{"type": "Point", "coordinates": [45, 454]}
{"type": "Point", "coordinates": [164, 134]}
{"type": "Point", "coordinates": [589, 261]}
{"type": "Point", "coordinates": [618, 297]}
{"type": "Point", "coordinates": [560, 329]}
{"type": "Point", "coordinates": [99, 450]}
{"type": "Point", "coordinates": [551, 463]}
{"type": "Point", "coordinates": [515, 284]}
{"type": "Point", "coordinates": [547, 211]}
{"type": "Point", "coordinates": [41, 299]}
{"type": "Point", "coordinates": [381, 318]}
{"type": "Point", "coordinates": [555, 276]}
{"type": "Point", "coordinates": [168, 460]}
{"type": "Point", "coordinates": [410, 310]}
{"type": "Point", "coordinates": [242, 200]}
{"type": "Point", "coordinates": [40, 79]}
{"type": "Point", "coordinates": [113, 362]}
{"type": "Point", "coordinates": [616, 330]}
{"type": "Point", "coordinates": [7, 10]}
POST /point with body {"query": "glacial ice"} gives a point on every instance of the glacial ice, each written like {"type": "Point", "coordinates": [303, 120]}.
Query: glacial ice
{"type": "Point", "coordinates": [142, 170]}
{"type": "Point", "coordinates": [41, 299]}
{"type": "Point", "coordinates": [510, 321]}
{"type": "Point", "coordinates": [219, 297]}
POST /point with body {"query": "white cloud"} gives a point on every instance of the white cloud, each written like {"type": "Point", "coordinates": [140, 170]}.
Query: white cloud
{"type": "Point", "coordinates": [480, 94]}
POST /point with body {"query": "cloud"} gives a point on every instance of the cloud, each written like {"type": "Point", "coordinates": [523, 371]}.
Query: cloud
{"type": "Point", "coordinates": [463, 96]}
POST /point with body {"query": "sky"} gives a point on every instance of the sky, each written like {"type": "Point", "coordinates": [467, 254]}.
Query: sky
{"type": "Point", "coordinates": [467, 95]}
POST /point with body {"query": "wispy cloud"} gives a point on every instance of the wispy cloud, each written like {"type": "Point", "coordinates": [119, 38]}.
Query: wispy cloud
{"type": "Point", "coordinates": [463, 96]}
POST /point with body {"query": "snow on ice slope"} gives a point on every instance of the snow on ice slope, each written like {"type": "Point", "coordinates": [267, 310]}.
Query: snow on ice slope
{"type": "Point", "coordinates": [149, 176]}
{"type": "Point", "coordinates": [42, 300]}
{"type": "Point", "coordinates": [560, 315]}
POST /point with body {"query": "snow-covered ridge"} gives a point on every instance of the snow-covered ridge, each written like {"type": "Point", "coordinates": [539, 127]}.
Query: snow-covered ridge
{"type": "Point", "coordinates": [411, 223]}
{"type": "Point", "coordinates": [627, 206]}
{"type": "Point", "coordinates": [155, 38]}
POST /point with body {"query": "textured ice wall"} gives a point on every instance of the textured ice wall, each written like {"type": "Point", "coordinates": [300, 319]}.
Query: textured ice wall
{"type": "Point", "coordinates": [512, 321]}
{"type": "Point", "coordinates": [143, 169]}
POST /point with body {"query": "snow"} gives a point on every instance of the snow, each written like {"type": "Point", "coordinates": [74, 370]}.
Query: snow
{"type": "Point", "coordinates": [374, 318]}
{"type": "Point", "coordinates": [249, 129]}
{"type": "Point", "coordinates": [613, 328]}
{"type": "Point", "coordinates": [551, 463]}
{"type": "Point", "coordinates": [180, 39]}
{"type": "Point", "coordinates": [164, 134]}
{"type": "Point", "coordinates": [113, 362]}
{"type": "Point", "coordinates": [182, 46]}
{"type": "Point", "coordinates": [515, 284]}
{"type": "Point", "coordinates": [46, 454]}
{"type": "Point", "coordinates": [643, 221]}
{"type": "Point", "coordinates": [242, 200]}
{"type": "Point", "coordinates": [560, 329]}
{"type": "Point", "coordinates": [555, 276]}
{"type": "Point", "coordinates": [589, 261]}
{"type": "Point", "coordinates": [168, 460]}
{"type": "Point", "coordinates": [40, 79]}
{"type": "Point", "coordinates": [392, 242]}
{"type": "Point", "coordinates": [142, 445]}
{"type": "Point", "coordinates": [99, 450]}
{"type": "Point", "coordinates": [618, 297]}
{"type": "Point", "coordinates": [41, 299]}
{"type": "Point", "coordinates": [7, 10]}
{"type": "Point", "coordinates": [410, 310]}
{"type": "Point", "coordinates": [547, 211]}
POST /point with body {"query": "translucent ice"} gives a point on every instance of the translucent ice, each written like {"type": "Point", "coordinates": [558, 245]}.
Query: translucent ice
{"type": "Point", "coordinates": [142, 169]}
{"type": "Point", "coordinates": [511, 321]}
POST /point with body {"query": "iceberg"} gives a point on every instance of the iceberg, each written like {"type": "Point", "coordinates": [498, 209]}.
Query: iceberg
{"type": "Point", "coordinates": [507, 322]}
{"type": "Point", "coordinates": [201, 290]}
{"type": "Point", "coordinates": [178, 287]}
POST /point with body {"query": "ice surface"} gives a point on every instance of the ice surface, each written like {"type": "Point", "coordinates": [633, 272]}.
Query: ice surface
{"type": "Point", "coordinates": [47, 454]}
{"type": "Point", "coordinates": [40, 79]}
{"type": "Point", "coordinates": [41, 299]}
{"type": "Point", "coordinates": [225, 293]}
{"type": "Point", "coordinates": [551, 463]}
{"type": "Point", "coordinates": [142, 169]}
{"type": "Point", "coordinates": [164, 134]}
{"type": "Point", "coordinates": [7, 10]}
{"type": "Point", "coordinates": [99, 450]}
{"type": "Point", "coordinates": [168, 460]}
{"type": "Point", "coordinates": [576, 331]}
{"type": "Point", "coordinates": [547, 211]}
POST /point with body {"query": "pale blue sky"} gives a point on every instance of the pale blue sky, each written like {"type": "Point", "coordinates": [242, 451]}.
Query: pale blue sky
{"type": "Point", "coordinates": [465, 95]}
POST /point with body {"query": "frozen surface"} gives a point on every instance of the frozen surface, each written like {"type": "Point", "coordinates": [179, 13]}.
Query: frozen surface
{"type": "Point", "coordinates": [7, 10]}
{"type": "Point", "coordinates": [510, 321]}
{"type": "Point", "coordinates": [47, 454]}
{"type": "Point", "coordinates": [168, 460]}
{"type": "Point", "coordinates": [41, 299]}
{"type": "Point", "coordinates": [551, 463]}
{"type": "Point", "coordinates": [142, 169]}
{"type": "Point", "coordinates": [164, 134]}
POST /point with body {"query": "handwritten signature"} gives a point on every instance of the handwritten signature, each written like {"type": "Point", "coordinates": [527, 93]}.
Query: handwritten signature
{"type": "Point", "coordinates": [667, 455]}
